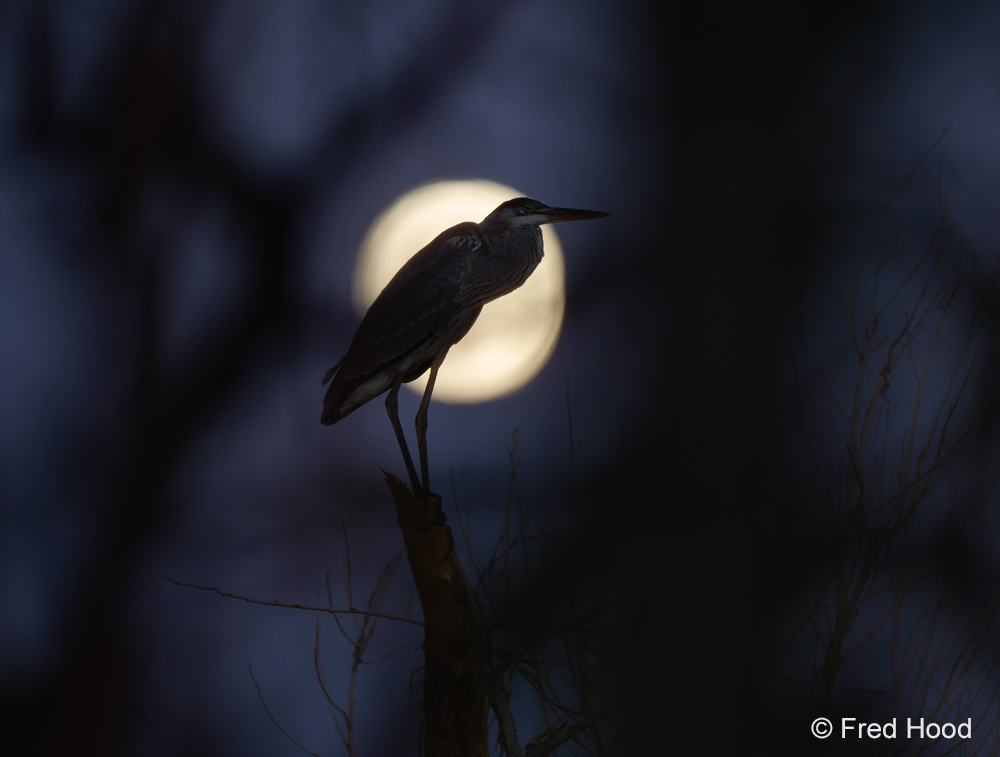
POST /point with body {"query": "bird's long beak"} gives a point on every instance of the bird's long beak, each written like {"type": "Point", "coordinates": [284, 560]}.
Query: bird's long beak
{"type": "Point", "coordinates": [559, 215]}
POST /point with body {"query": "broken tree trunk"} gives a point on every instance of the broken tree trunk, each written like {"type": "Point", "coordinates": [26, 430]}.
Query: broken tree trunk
{"type": "Point", "coordinates": [456, 639]}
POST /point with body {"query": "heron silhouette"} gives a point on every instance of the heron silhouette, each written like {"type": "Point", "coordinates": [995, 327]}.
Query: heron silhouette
{"type": "Point", "coordinates": [429, 305]}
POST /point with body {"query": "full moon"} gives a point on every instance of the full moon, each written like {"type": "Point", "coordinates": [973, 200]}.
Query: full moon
{"type": "Point", "coordinates": [514, 335]}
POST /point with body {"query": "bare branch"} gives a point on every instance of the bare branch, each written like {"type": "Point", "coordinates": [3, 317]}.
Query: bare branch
{"type": "Point", "coordinates": [551, 633]}
{"type": "Point", "coordinates": [276, 723]}
{"type": "Point", "coordinates": [276, 603]}
{"type": "Point", "coordinates": [321, 677]}
{"type": "Point", "coordinates": [550, 740]}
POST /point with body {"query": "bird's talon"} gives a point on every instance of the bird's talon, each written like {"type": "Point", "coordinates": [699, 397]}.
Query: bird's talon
{"type": "Point", "coordinates": [430, 499]}
{"type": "Point", "coordinates": [439, 519]}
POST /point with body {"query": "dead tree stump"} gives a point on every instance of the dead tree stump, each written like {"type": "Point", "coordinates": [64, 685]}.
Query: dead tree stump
{"type": "Point", "coordinates": [456, 638]}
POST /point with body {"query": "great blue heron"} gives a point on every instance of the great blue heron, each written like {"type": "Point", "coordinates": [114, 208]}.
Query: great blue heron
{"type": "Point", "coordinates": [429, 305]}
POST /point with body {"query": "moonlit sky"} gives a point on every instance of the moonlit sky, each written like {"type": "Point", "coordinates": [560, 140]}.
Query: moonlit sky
{"type": "Point", "coordinates": [183, 189]}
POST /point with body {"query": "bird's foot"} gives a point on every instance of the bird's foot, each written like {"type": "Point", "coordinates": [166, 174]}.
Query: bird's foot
{"type": "Point", "coordinates": [439, 518]}
{"type": "Point", "coordinates": [418, 491]}
{"type": "Point", "coordinates": [418, 494]}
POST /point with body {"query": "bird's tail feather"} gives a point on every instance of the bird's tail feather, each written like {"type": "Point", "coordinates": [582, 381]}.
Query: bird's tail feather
{"type": "Point", "coordinates": [331, 404]}
{"type": "Point", "coordinates": [345, 395]}
{"type": "Point", "coordinates": [329, 373]}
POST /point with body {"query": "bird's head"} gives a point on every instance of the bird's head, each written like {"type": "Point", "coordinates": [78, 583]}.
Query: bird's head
{"type": "Point", "coordinates": [524, 211]}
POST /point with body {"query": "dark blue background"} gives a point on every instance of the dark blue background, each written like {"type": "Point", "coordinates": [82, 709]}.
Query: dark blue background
{"type": "Point", "coordinates": [183, 186]}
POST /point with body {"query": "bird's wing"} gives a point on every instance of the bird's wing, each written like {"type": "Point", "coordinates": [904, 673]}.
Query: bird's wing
{"type": "Point", "coordinates": [419, 301]}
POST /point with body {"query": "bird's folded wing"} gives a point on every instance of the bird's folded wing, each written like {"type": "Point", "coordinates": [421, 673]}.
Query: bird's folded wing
{"type": "Point", "coordinates": [419, 301]}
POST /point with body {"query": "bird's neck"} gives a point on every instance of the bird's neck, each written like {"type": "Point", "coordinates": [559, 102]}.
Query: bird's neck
{"type": "Point", "coordinates": [513, 241]}
{"type": "Point", "coordinates": [495, 227]}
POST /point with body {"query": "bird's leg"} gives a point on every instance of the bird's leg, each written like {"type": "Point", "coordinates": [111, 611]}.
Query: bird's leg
{"type": "Point", "coordinates": [439, 518]}
{"type": "Point", "coordinates": [392, 407]}
{"type": "Point", "coordinates": [421, 424]}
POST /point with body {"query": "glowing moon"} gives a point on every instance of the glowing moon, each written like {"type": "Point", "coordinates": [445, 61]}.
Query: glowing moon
{"type": "Point", "coordinates": [515, 334]}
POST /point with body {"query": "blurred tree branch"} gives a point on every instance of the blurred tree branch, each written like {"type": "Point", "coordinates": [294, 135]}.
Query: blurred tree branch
{"type": "Point", "coordinates": [939, 654]}
{"type": "Point", "coordinates": [145, 131]}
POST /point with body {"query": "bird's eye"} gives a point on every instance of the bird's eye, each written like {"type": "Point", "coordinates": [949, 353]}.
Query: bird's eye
{"type": "Point", "coordinates": [528, 208]}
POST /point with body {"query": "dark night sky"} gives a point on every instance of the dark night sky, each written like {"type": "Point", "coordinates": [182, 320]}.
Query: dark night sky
{"type": "Point", "coordinates": [183, 187]}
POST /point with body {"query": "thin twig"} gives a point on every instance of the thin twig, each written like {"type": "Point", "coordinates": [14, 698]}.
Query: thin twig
{"type": "Point", "coordinates": [276, 603]}
{"type": "Point", "coordinates": [268, 711]}
{"type": "Point", "coordinates": [554, 738]}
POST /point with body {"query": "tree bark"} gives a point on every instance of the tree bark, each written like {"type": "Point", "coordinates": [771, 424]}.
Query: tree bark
{"type": "Point", "coordinates": [456, 639]}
